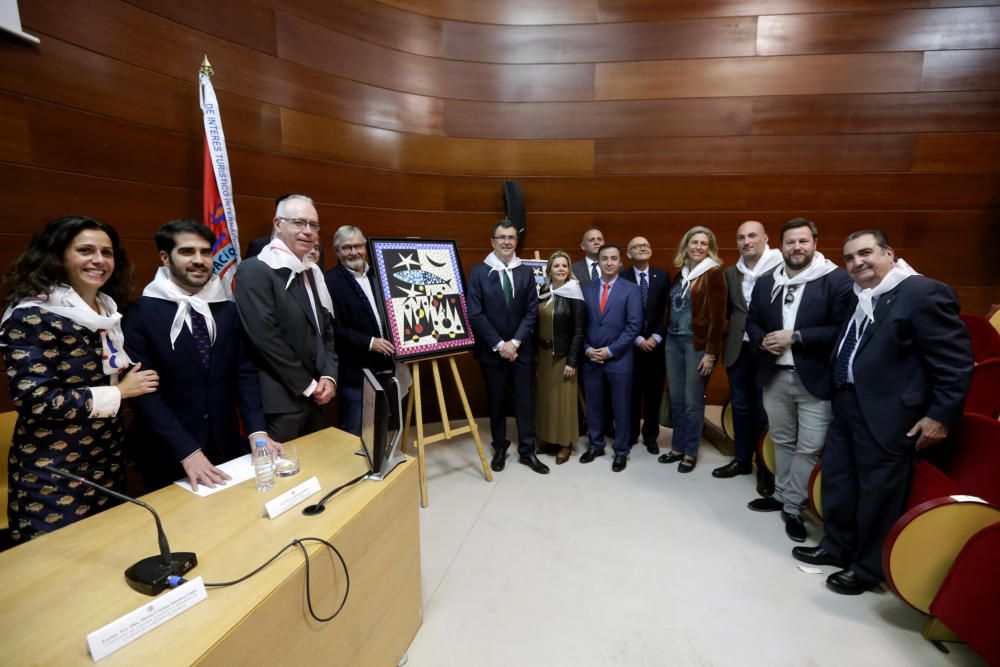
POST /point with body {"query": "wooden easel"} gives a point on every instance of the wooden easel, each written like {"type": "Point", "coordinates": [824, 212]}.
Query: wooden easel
{"type": "Point", "coordinates": [449, 432]}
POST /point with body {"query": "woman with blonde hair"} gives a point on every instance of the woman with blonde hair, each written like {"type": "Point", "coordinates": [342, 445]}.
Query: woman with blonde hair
{"type": "Point", "coordinates": [560, 342]}
{"type": "Point", "coordinates": [697, 313]}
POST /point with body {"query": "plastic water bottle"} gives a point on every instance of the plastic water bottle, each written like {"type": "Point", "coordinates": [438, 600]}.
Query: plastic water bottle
{"type": "Point", "coordinates": [263, 465]}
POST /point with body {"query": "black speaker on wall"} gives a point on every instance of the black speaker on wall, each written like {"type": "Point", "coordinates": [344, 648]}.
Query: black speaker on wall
{"type": "Point", "coordinates": [513, 200]}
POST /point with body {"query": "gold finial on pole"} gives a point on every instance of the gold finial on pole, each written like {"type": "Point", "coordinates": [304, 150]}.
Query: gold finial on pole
{"type": "Point", "coordinates": [206, 67]}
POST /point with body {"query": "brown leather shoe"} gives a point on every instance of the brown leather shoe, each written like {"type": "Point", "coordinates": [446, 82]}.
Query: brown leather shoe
{"type": "Point", "coordinates": [563, 455]}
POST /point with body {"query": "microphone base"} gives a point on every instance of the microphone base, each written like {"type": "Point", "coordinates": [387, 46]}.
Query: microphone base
{"type": "Point", "coordinates": [149, 576]}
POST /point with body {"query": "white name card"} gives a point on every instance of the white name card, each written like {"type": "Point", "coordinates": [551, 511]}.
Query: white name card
{"type": "Point", "coordinates": [116, 634]}
{"type": "Point", "coordinates": [291, 498]}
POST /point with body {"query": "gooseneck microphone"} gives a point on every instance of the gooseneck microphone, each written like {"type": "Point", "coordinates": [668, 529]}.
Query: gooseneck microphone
{"type": "Point", "coordinates": [149, 575]}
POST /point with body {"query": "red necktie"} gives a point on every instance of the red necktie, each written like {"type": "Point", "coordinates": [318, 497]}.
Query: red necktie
{"type": "Point", "coordinates": [604, 296]}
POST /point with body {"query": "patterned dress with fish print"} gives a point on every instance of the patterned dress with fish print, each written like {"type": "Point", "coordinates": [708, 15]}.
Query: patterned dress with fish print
{"type": "Point", "coordinates": [51, 363]}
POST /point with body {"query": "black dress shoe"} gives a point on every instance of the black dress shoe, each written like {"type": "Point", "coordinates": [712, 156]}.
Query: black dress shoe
{"type": "Point", "coordinates": [817, 556]}
{"type": "Point", "coordinates": [653, 448]}
{"type": "Point", "coordinates": [765, 489]}
{"type": "Point", "coordinates": [532, 462]}
{"type": "Point", "coordinates": [687, 465]}
{"type": "Point", "coordinates": [619, 463]}
{"type": "Point", "coordinates": [847, 582]}
{"type": "Point", "coordinates": [794, 527]}
{"type": "Point", "coordinates": [590, 455]}
{"type": "Point", "coordinates": [765, 505]}
{"type": "Point", "coordinates": [670, 457]}
{"type": "Point", "coordinates": [732, 469]}
{"type": "Point", "coordinates": [499, 460]}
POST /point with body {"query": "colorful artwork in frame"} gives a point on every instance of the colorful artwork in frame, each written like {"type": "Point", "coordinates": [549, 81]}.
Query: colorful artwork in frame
{"type": "Point", "coordinates": [538, 266]}
{"type": "Point", "coordinates": [421, 286]}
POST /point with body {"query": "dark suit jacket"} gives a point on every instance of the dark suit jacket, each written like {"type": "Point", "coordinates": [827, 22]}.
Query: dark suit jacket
{"type": "Point", "coordinates": [824, 305]}
{"type": "Point", "coordinates": [194, 407]}
{"type": "Point", "coordinates": [280, 326]}
{"type": "Point", "coordinates": [913, 361]}
{"type": "Point", "coordinates": [654, 316]}
{"type": "Point", "coordinates": [581, 270]}
{"type": "Point", "coordinates": [493, 321]}
{"type": "Point", "coordinates": [355, 326]}
{"type": "Point", "coordinates": [617, 328]}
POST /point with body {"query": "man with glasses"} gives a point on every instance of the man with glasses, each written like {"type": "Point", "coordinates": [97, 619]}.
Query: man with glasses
{"type": "Point", "coordinates": [795, 315]}
{"type": "Point", "coordinates": [287, 314]}
{"type": "Point", "coordinates": [362, 332]}
{"type": "Point", "coordinates": [503, 312]}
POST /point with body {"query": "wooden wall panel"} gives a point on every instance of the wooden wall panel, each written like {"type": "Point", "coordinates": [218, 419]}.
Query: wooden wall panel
{"type": "Point", "coordinates": [519, 12]}
{"type": "Point", "coordinates": [599, 119]}
{"type": "Point", "coordinates": [865, 32]}
{"type": "Point", "coordinates": [894, 112]}
{"type": "Point", "coordinates": [306, 134]}
{"type": "Point", "coordinates": [967, 152]}
{"type": "Point", "coordinates": [874, 191]}
{"type": "Point", "coordinates": [335, 53]}
{"type": "Point", "coordinates": [657, 10]}
{"type": "Point", "coordinates": [15, 134]}
{"type": "Point", "coordinates": [961, 70]}
{"type": "Point", "coordinates": [777, 75]}
{"type": "Point", "coordinates": [859, 152]}
{"type": "Point", "coordinates": [245, 23]}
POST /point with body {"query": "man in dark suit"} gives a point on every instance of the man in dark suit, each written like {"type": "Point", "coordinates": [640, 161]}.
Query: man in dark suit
{"type": "Point", "coordinates": [186, 329]}
{"type": "Point", "coordinates": [902, 367]}
{"type": "Point", "coordinates": [745, 397]}
{"type": "Point", "coordinates": [795, 314]}
{"type": "Point", "coordinates": [287, 313]}
{"type": "Point", "coordinates": [649, 366]}
{"type": "Point", "coordinates": [586, 269]}
{"type": "Point", "coordinates": [503, 312]}
{"type": "Point", "coordinates": [614, 317]}
{"type": "Point", "coordinates": [362, 336]}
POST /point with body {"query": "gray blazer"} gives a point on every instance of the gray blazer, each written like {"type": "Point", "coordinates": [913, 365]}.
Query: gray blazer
{"type": "Point", "coordinates": [581, 271]}
{"type": "Point", "coordinates": [736, 314]}
{"type": "Point", "coordinates": [280, 327]}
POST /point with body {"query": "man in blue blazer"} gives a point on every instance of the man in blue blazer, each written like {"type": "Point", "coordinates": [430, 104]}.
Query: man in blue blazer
{"type": "Point", "coordinates": [795, 314]}
{"type": "Point", "coordinates": [902, 366]}
{"type": "Point", "coordinates": [614, 318]}
{"type": "Point", "coordinates": [503, 312]}
{"type": "Point", "coordinates": [650, 363]}
{"type": "Point", "coordinates": [362, 336]}
{"type": "Point", "coordinates": [186, 329]}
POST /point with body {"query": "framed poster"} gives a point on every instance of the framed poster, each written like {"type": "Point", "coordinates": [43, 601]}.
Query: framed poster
{"type": "Point", "coordinates": [538, 267]}
{"type": "Point", "coordinates": [423, 292]}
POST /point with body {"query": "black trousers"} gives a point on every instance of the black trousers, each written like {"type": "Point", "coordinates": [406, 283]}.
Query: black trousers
{"type": "Point", "coordinates": [515, 380]}
{"type": "Point", "coordinates": [865, 488]}
{"type": "Point", "coordinates": [648, 376]}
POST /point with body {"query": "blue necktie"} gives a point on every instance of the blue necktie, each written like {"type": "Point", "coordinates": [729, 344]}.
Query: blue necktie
{"type": "Point", "coordinates": [199, 329]}
{"type": "Point", "coordinates": [843, 363]}
{"type": "Point", "coordinates": [643, 288]}
{"type": "Point", "coordinates": [593, 271]}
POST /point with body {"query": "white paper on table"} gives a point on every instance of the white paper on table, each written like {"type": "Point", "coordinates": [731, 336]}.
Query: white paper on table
{"type": "Point", "coordinates": [240, 469]}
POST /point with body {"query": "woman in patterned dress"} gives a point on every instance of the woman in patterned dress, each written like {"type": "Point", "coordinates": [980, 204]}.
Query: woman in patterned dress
{"type": "Point", "coordinates": [62, 344]}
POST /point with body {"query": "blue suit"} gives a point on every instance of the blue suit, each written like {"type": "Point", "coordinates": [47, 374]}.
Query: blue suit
{"type": "Point", "coordinates": [195, 407]}
{"type": "Point", "coordinates": [615, 329]}
{"type": "Point", "coordinates": [494, 321]}
{"type": "Point", "coordinates": [355, 327]}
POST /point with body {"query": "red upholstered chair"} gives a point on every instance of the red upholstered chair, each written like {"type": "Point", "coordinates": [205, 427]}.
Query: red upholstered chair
{"type": "Point", "coordinates": [985, 339]}
{"type": "Point", "coordinates": [941, 556]}
{"type": "Point", "coordinates": [984, 395]}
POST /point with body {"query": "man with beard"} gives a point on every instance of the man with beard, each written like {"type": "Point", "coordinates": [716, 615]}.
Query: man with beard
{"type": "Point", "coordinates": [362, 336]}
{"type": "Point", "coordinates": [749, 418]}
{"type": "Point", "coordinates": [795, 315]}
{"type": "Point", "coordinates": [186, 329]}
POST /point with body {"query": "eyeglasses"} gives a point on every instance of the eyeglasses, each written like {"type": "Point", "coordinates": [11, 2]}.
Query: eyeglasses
{"type": "Point", "coordinates": [505, 237]}
{"type": "Point", "coordinates": [354, 247]}
{"type": "Point", "coordinates": [790, 294]}
{"type": "Point", "coordinates": [640, 246]}
{"type": "Point", "coordinates": [299, 223]}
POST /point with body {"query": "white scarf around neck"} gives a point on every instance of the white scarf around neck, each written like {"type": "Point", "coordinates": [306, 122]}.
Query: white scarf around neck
{"type": "Point", "coordinates": [495, 264]}
{"type": "Point", "coordinates": [818, 267]}
{"type": "Point", "coordinates": [65, 302]}
{"type": "Point", "coordinates": [865, 310]}
{"type": "Point", "coordinates": [164, 288]}
{"type": "Point", "coordinates": [768, 259]}
{"type": "Point", "coordinates": [690, 275]}
{"type": "Point", "coordinates": [568, 290]}
{"type": "Point", "coordinates": [277, 256]}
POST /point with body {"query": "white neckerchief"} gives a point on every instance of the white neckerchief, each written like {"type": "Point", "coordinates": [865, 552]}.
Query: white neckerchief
{"type": "Point", "coordinates": [65, 302]}
{"type": "Point", "coordinates": [864, 310]}
{"type": "Point", "coordinates": [769, 259]}
{"type": "Point", "coordinates": [277, 255]}
{"type": "Point", "coordinates": [818, 267]}
{"type": "Point", "coordinates": [164, 288]}
{"type": "Point", "coordinates": [495, 264]}
{"type": "Point", "coordinates": [568, 290]}
{"type": "Point", "coordinates": [688, 276]}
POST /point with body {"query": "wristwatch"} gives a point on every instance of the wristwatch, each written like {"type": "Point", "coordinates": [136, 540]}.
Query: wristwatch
{"type": "Point", "coordinates": [796, 337]}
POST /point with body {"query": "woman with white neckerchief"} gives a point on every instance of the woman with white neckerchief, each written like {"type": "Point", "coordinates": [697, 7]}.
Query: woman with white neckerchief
{"type": "Point", "coordinates": [68, 373]}
{"type": "Point", "coordinates": [697, 316]}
